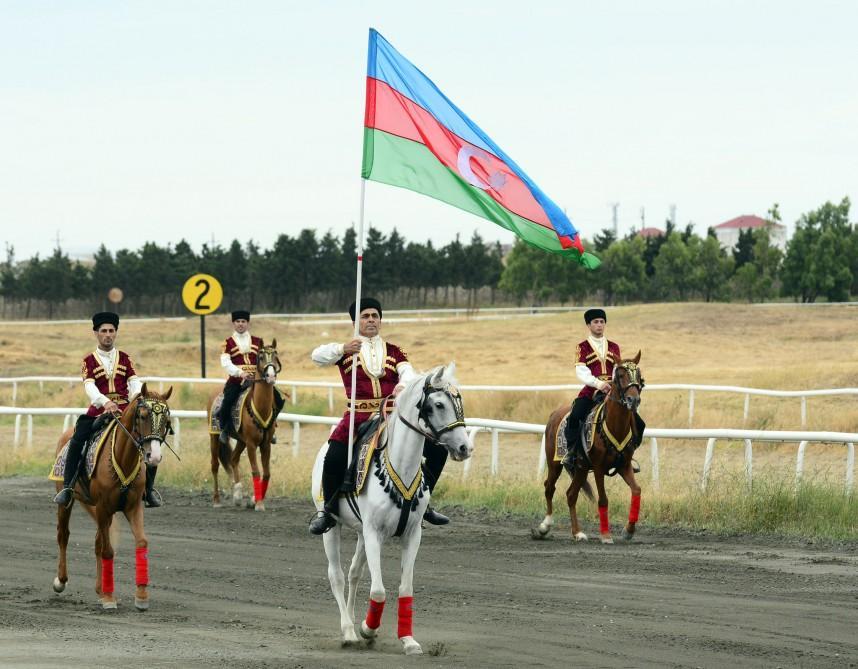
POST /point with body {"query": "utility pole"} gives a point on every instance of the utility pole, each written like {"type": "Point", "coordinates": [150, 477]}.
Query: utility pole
{"type": "Point", "coordinates": [643, 218]}
{"type": "Point", "coordinates": [673, 214]}
{"type": "Point", "coordinates": [58, 240]}
{"type": "Point", "coordinates": [614, 207]}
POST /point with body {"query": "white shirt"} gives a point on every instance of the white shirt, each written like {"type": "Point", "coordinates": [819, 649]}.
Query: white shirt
{"type": "Point", "coordinates": [108, 360]}
{"type": "Point", "coordinates": [600, 346]}
{"type": "Point", "coordinates": [243, 342]}
{"type": "Point", "coordinates": [373, 351]}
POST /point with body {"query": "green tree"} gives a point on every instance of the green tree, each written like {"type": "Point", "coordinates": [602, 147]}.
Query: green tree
{"type": "Point", "coordinates": [623, 271]}
{"type": "Point", "coordinates": [712, 268]}
{"type": "Point", "coordinates": [673, 269]}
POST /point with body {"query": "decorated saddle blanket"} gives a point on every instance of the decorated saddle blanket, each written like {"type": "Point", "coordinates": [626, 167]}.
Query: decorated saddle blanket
{"type": "Point", "coordinates": [90, 452]}
{"type": "Point", "coordinates": [370, 439]}
{"type": "Point", "coordinates": [561, 447]}
{"type": "Point", "coordinates": [235, 414]}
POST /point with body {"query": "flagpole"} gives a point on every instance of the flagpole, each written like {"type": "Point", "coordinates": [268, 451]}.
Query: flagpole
{"type": "Point", "coordinates": [357, 317]}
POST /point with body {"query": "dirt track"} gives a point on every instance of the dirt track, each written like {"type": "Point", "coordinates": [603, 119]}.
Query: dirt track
{"type": "Point", "coordinates": [234, 588]}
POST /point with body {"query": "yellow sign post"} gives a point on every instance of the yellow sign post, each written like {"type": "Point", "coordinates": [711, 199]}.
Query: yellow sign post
{"type": "Point", "coordinates": [202, 294]}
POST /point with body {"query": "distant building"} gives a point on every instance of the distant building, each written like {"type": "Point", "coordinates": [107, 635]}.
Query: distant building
{"type": "Point", "coordinates": [728, 232]}
{"type": "Point", "coordinates": [646, 233]}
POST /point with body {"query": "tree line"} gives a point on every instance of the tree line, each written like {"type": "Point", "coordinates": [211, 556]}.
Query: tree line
{"type": "Point", "coordinates": [311, 273]}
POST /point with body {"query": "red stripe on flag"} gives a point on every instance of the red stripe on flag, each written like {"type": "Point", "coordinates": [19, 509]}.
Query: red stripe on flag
{"type": "Point", "coordinates": [390, 111]}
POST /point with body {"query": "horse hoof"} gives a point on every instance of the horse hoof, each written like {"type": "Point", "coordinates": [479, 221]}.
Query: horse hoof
{"type": "Point", "coordinates": [580, 536]}
{"type": "Point", "coordinates": [628, 536]}
{"type": "Point", "coordinates": [367, 632]}
{"type": "Point", "coordinates": [216, 505]}
{"type": "Point", "coordinates": [59, 586]}
{"type": "Point", "coordinates": [108, 604]}
{"type": "Point", "coordinates": [539, 532]}
{"type": "Point", "coordinates": [410, 646]}
{"type": "Point", "coordinates": [141, 604]}
{"type": "Point", "coordinates": [259, 506]}
{"type": "Point", "coordinates": [606, 540]}
{"type": "Point", "coordinates": [250, 504]}
{"type": "Point", "coordinates": [349, 636]}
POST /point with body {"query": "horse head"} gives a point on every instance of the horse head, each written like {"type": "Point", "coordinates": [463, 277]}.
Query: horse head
{"type": "Point", "coordinates": [151, 423]}
{"type": "Point", "coordinates": [628, 383]}
{"type": "Point", "coordinates": [442, 413]}
{"type": "Point", "coordinates": [268, 362]}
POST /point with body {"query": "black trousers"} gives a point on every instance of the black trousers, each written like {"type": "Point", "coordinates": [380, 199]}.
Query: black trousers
{"type": "Point", "coordinates": [82, 430]}
{"type": "Point", "coordinates": [581, 408]}
{"type": "Point", "coordinates": [336, 462]}
{"type": "Point", "coordinates": [231, 391]}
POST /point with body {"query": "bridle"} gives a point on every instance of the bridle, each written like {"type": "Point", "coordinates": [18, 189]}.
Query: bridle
{"type": "Point", "coordinates": [267, 357]}
{"type": "Point", "coordinates": [635, 381]}
{"type": "Point", "coordinates": [422, 405]}
{"type": "Point", "coordinates": [159, 425]}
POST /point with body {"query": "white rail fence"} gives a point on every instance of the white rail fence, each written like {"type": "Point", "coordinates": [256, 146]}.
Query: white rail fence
{"type": "Point", "coordinates": [332, 387]}
{"type": "Point", "coordinates": [496, 427]}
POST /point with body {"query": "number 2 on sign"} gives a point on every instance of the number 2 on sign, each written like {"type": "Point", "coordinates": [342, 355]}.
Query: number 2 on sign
{"type": "Point", "coordinates": [206, 287]}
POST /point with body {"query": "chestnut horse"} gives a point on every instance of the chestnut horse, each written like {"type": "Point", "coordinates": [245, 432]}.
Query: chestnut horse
{"type": "Point", "coordinates": [613, 446]}
{"type": "Point", "coordinates": [258, 422]}
{"type": "Point", "coordinates": [118, 480]}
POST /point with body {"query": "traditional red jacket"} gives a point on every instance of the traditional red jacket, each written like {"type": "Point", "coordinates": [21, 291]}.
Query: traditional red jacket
{"type": "Point", "coordinates": [115, 386]}
{"type": "Point", "coordinates": [245, 361]}
{"type": "Point", "coordinates": [370, 390]}
{"type": "Point", "coordinates": [600, 368]}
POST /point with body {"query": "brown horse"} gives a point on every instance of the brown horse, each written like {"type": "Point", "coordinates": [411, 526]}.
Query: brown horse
{"type": "Point", "coordinates": [614, 444]}
{"type": "Point", "coordinates": [258, 422]}
{"type": "Point", "coordinates": [117, 484]}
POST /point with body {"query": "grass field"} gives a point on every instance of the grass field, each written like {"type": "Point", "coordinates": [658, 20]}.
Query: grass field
{"type": "Point", "coordinates": [780, 347]}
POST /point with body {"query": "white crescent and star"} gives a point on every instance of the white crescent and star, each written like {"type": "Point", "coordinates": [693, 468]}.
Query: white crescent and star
{"type": "Point", "coordinates": [463, 163]}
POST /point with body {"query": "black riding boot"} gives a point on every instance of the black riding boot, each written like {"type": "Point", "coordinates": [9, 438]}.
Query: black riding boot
{"type": "Point", "coordinates": [151, 497]}
{"type": "Point", "coordinates": [279, 401]}
{"type": "Point", "coordinates": [333, 474]}
{"type": "Point", "coordinates": [65, 496]}
{"type": "Point", "coordinates": [436, 458]}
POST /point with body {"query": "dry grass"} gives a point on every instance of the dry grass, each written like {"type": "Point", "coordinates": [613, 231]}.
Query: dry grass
{"type": "Point", "coordinates": [784, 347]}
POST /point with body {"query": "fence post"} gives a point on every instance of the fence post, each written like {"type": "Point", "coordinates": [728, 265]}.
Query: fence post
{"type": "Point", "coordinates": [747, 404]}
{"type": "Point", "coordinates": [850, 467]}
{"type": "Point", "coordinates": [17, 439]}
{"type": "Point", "coordinates": [543, 461]}
{"type": "Point", "coordinates": [803, 410]}
{"type": "Point", "coordinates": [294, 394]}
{"type": "Point", "coordinates": [296, 438]}
{"type": "Point", "coordinates": [30, 431]}
{"type": "Point", "coordinates": [495, 452]}
{"type": "Point", "coordinates": [653, 453]}
{"type": "Point", "coordinates": [690, 407]}
{"type": "Point", "coordinates": [707, 462]}
{"type": "Point", "coordinates": [14, 392]}
{"type": "Point", "coordinates": [749, 463]}
{"type": "Point", "coordinates": [799, 463]}
{"type": "Point", "coordinates": [330, 398]}
{"type": "Point", "coordinates": [177, 434]}
{"type": "Point", "coordinates": [66, 421]}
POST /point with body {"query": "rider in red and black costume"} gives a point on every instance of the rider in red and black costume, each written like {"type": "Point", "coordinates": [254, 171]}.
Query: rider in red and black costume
{"type": "Point", "coordinates": [383, 370]}
{"type": "Point", "coordinates": [109, 379]}
{"type": "Point", "coordinates": [594, 366]}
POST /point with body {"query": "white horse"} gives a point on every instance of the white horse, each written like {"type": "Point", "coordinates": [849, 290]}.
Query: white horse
{"type": "Point", "coordinates": [394, 497]}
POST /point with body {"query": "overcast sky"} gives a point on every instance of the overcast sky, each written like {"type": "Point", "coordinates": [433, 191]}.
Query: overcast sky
{"type": "Point", "coordinates": [122, 122]}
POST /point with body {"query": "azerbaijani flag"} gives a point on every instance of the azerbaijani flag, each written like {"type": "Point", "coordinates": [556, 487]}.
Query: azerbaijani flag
{"type": "Point", "coordinates": [416, 138]}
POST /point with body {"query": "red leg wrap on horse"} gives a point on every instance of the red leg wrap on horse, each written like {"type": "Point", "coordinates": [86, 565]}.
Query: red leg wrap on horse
{"type": "Point", "coordinates": [406, 617]}
{"type": "Point", "coordinates": [142, 566]}
{"type": "Point", "coordinates": [257, 489]}
{"type": "Point", "coordinates": [107, 576]}
{"type": "Point", "coordinates": [635, 509]}
{"type": "Point", "coordinates": [604, 525]}
{"type": "Point", "coordinates": [264, 488]}
{"type": "Point", "coordinates": [373, 614]}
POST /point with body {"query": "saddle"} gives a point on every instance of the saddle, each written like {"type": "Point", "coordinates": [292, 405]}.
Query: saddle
{"type": "Point", "coordinates": [103, 427]}
{"type": "Point", "coordinates": [235, 414]}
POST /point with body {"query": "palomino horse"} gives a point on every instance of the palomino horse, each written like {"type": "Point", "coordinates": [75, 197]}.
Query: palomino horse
{"type": "Point", "coordinates": [393, 499]}
{"type": "Point", "coordinates": [613, 446]}
{"type": "Point", "coordinates": [256, 430]}
{"type": "Point", "coordinates": [117, 484]}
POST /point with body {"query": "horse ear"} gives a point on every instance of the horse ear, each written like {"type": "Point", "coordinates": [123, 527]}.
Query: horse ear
{"type": "Point", "coordinates": [437, 376]}
{"type": "Point", "coordinates": [450, 370]}
{"type": "Point", "coordinates": [637, 358]}
{"type": "Point", "coordinates": [144, 391]}
{"type": "Point", "coordinates": [274, 343]}
{"type": "Point", "coordinates": [166, 395]}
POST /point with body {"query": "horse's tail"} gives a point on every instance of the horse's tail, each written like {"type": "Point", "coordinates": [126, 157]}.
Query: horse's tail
{"type": "Point", "coordinates": [224, 454]}
{"type": "Point", "coordinates": [588, 490]}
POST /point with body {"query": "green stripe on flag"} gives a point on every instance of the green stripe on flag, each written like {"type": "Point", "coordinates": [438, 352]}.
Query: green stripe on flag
{"type": "Point", "coordinates": [401, 162]}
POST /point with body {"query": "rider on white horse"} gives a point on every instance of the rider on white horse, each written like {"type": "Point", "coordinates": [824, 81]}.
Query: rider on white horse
{"type": "Point", "coordinates": [383, 370]}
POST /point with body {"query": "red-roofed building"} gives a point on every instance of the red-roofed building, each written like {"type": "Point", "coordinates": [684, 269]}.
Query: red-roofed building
{"type": "Point", "coordinates": [650, 232]}
{"type": "Point", "coordinates": [728, 232]}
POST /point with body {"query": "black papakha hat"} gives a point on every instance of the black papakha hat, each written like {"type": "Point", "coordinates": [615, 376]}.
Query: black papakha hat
{"type": "Point", "coordinates": [590, 314]}
{"type": "Point", "coordinates": [241, 314]}
{"type": "Point", "coordinates": [365, 303]}
{"type": "Point", "coordinates": [103, 317]}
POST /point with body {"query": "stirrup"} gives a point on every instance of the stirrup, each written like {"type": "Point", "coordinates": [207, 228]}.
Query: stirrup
{"type": "Point", "coordinates": [321, 523]}
{"type": "Point", "coordinates": [152, 499]}
{"type": "Point", "coordinates": [432, 517]}
{"type": "Point", "coordinates": [64, 497]}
